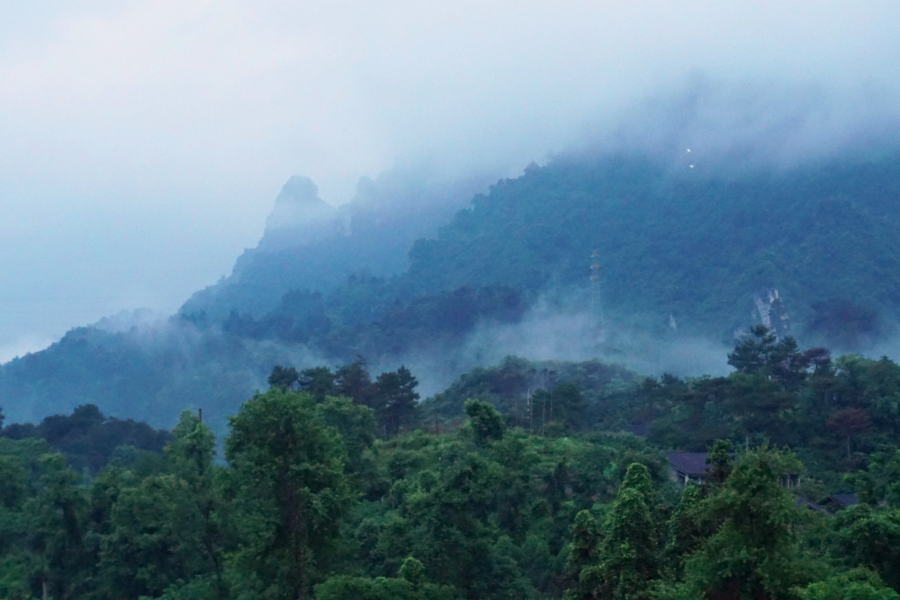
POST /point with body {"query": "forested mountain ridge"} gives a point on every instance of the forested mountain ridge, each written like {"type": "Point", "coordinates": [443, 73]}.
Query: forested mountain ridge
{"type": "Point", "coordinates": [684, 250]}
{"type": "Point", "coordinates": [310, 245]}
{"type": "Point", "coordinates": [684, 241]}
{"type": "Point", "coordinates": [697, 244]}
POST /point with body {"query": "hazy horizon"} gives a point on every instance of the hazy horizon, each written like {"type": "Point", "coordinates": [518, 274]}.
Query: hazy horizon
{"type": "Point", "coordinates": [145, 142]}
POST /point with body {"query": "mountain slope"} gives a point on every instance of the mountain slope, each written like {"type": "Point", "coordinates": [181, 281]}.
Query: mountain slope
{"type": "Point", "coordinates": [684, 252]}
{"type": "Point", "coordinates": [308, 244]}
{"type": "Point", "coordinates": [680, 241]}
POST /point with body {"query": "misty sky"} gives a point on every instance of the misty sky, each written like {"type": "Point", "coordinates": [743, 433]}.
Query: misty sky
{"type": "Point", "coordinates": [142, 143]}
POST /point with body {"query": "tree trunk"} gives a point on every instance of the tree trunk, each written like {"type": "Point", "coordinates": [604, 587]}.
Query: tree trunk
{"type": "Point", "coordinates": [292, 518]}
{"type": "Point", "coordinates": [543, 416]}
{"type": "Point", "coordinates": [551, 407]}
{"type": "Point", "coordinates": [530, 414]}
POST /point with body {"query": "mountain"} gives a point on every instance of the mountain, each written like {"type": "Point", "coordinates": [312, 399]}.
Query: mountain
{"type": "Point", "coordinates": [684, 251]}
{"type": "Point", "coordinates": [310, 245]}
{"type": "Point", "coordinates": [808, 251]}
{"type": "Point", "coordinates": [709, 250]}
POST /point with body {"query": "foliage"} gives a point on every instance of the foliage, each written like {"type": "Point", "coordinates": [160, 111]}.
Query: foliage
{"type": "Point", "coordinates": [396, 400]}
{"type": "Point", "coordinates": [487, 424]}
{"type": "Point", "coordinates": [89, 439]}
{"type": "Point", "coordinates": [283, 378]}
{"type": "Point", "coordinates": [857, 584]}
{"type": "Point", "coordinates": [755, 552]}
{"type": "Point", "coordinates": [342, 496]}
{"type": "Point", "coordinates": [290, 490]}
{"type": "Point", "coordinates": [693, 249]}
{"type": "Point", "coordinates": [628, 552]}
{"type": "Point", "coordinates": [870, 537]}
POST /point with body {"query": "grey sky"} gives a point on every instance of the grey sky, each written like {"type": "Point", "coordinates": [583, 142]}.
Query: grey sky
{"type": "Point", "coordinates": [143, 143]}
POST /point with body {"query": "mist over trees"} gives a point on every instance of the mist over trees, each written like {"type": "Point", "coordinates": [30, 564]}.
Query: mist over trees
{"type": "Point", "coordinates": [619, 323]}
{"type": "Point", "coordinates": [683, 254]}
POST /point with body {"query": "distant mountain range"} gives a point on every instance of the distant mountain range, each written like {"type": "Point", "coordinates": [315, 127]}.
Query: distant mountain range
{"type": "Point", "coordinates": [411, 269]}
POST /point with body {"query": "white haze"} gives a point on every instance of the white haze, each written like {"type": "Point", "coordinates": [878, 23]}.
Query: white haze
{"type": "Point", "coordinates": [717, 126]}
{"type": "Point", "coordinates": [567, 331]}
{"type": "Point", "coordinates": [142, 142]}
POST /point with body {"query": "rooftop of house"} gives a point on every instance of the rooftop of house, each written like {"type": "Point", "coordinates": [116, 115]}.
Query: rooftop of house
{"type": "Point", "coordinates": [689, 463]}
{"type": "Point", "coordinates": [802, 501]}
{"type": "Point", "coordinates": [845, 499]}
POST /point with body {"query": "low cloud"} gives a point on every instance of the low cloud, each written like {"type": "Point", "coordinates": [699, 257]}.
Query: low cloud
{"type": "Point", "coordinates": [549, 332]}
{"type": "Point", "coordinates": [23, 345]}
{"type": "Point", "coordinates": [175, 123]}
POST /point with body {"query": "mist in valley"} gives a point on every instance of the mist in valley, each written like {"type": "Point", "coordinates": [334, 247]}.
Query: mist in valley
{"type": "Point", "coordinates": [144, 146]}
{"type": "Point", "coordinates": [435, 300]}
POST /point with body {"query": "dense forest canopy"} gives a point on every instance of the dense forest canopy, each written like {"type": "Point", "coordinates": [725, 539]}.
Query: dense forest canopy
{"type": "Point", "coordinates": [659, 363]}
{"type": "Point", "coordinates": [696, 243]}
{"type": "Point", "coordinates": [518, 481]}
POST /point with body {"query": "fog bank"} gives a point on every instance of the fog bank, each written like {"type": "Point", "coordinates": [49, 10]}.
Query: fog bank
{"type": "Point", "coordinates": [143, 142]}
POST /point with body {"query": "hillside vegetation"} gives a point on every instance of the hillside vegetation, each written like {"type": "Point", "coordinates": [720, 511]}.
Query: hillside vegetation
{"type": "Point", "coordinates": [339, 487]}
{"type": "Point", "coordinates": [682, 253]}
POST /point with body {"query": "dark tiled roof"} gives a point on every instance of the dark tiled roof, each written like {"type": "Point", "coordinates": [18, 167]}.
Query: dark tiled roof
{"type": "Point", "coordinates": [845, 499]}
{"type": "Point", "coordinates": [689, 463]}
{"type": "Point", "coordinates": [804, 501]}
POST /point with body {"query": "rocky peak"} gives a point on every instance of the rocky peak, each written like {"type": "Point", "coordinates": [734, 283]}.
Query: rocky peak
{"type": "Point", "coordinates": [299, 216]}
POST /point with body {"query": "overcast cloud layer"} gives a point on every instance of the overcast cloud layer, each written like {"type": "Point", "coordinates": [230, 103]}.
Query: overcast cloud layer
{"type": "Point", "coordinates": [143, 143]}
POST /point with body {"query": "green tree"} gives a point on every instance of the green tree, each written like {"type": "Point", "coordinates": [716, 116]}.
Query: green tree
{"type": "Point", "coordinates": [880, 482]}
{"type": "Point", "coordinates": [563, 408]}
{"type": "Point", "coordinates": [756, 403]}
{"type": "Point", "coordinates": [689, 527]}
{"type": "Point", "coordinates": [343, 587]}
{"type": "Point", "coordinates": [883, 390]}
{"type": "Point", "coordinates": [413, 571]}
{"type": "Point", "coordinates": [287, 468]}
{"type": "Point", "coordinates": [156, 539]}
{"type": "Point", "coordinates": [58, 515]}
{"type": "Point", "coordinates": [23, 570]}
{"type": "Point", "coordinates": [354, 381]}
{"type": "Point", "coordinates": [487, 424]}
{"type": "Point", "coordinates": [721, 462]}
{"type": "Point", "coordinates": [870, 537]}
{"type": "Point", "coordinates": [754, 553]}
{"type": "Point", "coordinates": [396, 400]}
{"type": "Point", "coordinates": [752, 354]}
{"type": "Point", "coordinates": [787, 364]}
{"type": "Point", "coordinates": [318, 381]}
{"type": "Point", "coordinates": [283, 378]}
{"type": "Point", "coordinates": [848, 422]}
{"type": "Point", "coordinates": [628, 554]}
{"type": "Point", "coordinates": [517, 496]}
{"type": "Point", "coordinates": [857, 584]}
{"type": "Point", "coordinates": [582, 566]}
{"type": "Point", "coordinates": [692, 523]}
{"type": "Point", "coordinates": [356, 425]}
{"type": "Point", "coordinates": [191, 456]}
